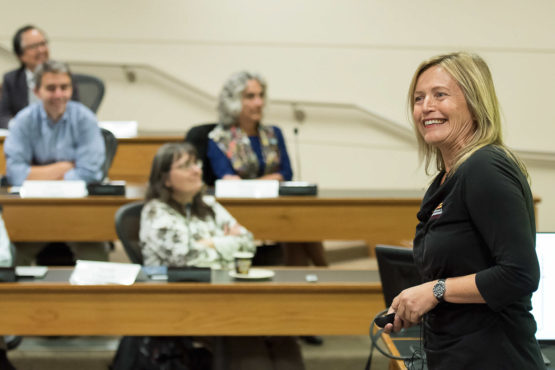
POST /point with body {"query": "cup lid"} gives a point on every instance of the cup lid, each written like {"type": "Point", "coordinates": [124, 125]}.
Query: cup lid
{"type": "Point", "coordinates": [243, 255]}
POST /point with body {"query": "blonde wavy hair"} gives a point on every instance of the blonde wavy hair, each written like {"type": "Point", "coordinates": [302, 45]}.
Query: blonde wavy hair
{"type": "Point", "coordinates": [474, 78]}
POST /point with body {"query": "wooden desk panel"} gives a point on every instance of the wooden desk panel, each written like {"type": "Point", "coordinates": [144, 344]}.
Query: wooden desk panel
{"type": "Point", "coordinates": [262, 308]}
{"type": "Point", "coordinates": [81, 219]}
{"type": "Point", "coordinates": [134, 157]}
{"type": "Point", "coordinates": [387, 221]}
{"type": "Point", "coordinates": [61, 221]}
{"type": "Point", "coordinates": [375, 220]}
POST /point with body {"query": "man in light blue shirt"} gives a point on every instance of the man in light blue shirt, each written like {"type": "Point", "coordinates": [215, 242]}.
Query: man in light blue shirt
{"type": "Point", "coordinates": [55, 139]}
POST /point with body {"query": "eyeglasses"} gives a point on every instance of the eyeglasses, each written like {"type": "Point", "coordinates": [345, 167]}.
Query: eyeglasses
{"type": "Point", "coordinates": [188, 165]}
{"type": "Point", "coordinates": [36, 45]}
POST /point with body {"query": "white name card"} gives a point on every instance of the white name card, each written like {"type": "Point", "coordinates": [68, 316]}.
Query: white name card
{"type": "Point", "coordinates": [102, 273]}
{"type": "Point", "coordinates": [247, 188]}
{"type": "Point", "coordinates": [53, 189]}
{"type": "Point", "coordinates": [121, 129]}
{"type": "Point", "coordinates": [31, 271]}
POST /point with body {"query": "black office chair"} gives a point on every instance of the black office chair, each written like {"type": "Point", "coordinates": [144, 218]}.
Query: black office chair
{"type": "Point", "coordinates": [128, 222]}
{"type": "Point", "coordinates": [198, 137]}
{"type": "Point", "coordinates": [397, 270]}
{"type": "Point", "coordinates": [111, 144]}
{"type": "Point", "coordinates": [91, 90]}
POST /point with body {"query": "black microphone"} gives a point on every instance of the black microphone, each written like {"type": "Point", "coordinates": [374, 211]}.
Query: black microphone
{"type": "Point", "coordinates": [188, 207]}
{"type": "Point", "coordinates": [299, 116]}
{"type": "Point", "coordinates": [298, 156]}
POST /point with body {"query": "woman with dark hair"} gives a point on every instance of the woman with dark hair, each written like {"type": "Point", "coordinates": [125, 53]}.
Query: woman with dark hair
{"type": "Point", "coordinates": [475, 241]}
{"type": "Point", "coordinates": [180, 226]}
{"type": "Point", "coordinates": [241, 147]}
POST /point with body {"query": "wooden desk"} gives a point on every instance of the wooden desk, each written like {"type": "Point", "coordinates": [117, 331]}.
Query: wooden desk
{"type": "Point", "coordinates": [341, 303]}
{"type": "Point", "coordinates": [378, 217]}
{"type": "Point", "coordinates": [133, 158]}
{"type": "Point", "coordinates": [51, 219]}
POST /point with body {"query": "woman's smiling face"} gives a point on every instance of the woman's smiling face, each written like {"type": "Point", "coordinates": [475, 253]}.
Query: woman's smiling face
{"type": "Point", "coordinates": [441, 112]}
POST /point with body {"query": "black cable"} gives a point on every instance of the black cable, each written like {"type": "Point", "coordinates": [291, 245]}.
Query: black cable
{"type": "Point", "coordinates": [409, 360]}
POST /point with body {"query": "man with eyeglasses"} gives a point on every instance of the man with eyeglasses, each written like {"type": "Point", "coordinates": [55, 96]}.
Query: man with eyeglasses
{"type": "Point", "coordinates": [31, 47]}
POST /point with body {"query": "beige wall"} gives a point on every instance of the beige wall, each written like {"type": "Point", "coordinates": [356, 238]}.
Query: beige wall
{"type": "Point", "coordinates": [355, 52]}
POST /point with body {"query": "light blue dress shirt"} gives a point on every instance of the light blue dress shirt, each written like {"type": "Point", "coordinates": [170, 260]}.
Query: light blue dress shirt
{"type": "Point", "coordinates": [35, 140]}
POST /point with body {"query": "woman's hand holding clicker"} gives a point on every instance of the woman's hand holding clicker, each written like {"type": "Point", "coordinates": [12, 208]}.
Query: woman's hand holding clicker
{"type": "Point", "coordinates": [410, 305]}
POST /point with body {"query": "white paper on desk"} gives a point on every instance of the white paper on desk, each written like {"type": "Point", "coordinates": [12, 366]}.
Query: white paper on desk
{"type": "Point", "coordinates": [102, 273]}
{"type": "Point", "coordinates": [32, 271]}
{"type": "Point", "coordinates": [247, 188]}
{"type": "Point", "coordinates": [121, 129]}
{"type": "Point", "coordinates": [53, 189]}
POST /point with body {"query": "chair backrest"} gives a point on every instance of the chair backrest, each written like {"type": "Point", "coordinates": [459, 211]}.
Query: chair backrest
{"type": "Point", "coordinates": [397, 270]}
{"type": "Point", "coordinates": [198, 136]}
{"type": "Point", "coordinates": [128, 223]}
{"type": "Point", "coordinates": [111, 145]}
{"type": "Point", "coordinates": [91, 90]}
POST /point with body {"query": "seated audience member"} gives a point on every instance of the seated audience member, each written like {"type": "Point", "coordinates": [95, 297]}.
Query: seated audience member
{"type": "Point", "coordinates": [55, 139]}
{"type": "Point", "coordinates": [30, 45]}
{"type": "Point", "coordinates": [181, 227]}
{"type": "Point", "coordinates": [241, 147]}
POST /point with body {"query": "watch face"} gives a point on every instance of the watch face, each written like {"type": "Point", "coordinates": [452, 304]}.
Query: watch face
{"type": "Point", "coordinates": [439, 289]}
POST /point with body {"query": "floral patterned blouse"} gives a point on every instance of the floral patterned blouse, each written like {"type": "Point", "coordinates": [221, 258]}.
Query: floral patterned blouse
{"type": "Point", "coordinates": [168, 238]}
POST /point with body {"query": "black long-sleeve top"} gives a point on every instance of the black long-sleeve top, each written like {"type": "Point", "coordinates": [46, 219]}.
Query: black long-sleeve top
{"type": "Point", "coordinates": [481, 220]}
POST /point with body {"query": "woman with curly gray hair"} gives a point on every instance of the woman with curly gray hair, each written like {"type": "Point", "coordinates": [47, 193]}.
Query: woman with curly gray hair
{"type": "Point", "coordinates": [241, 147]}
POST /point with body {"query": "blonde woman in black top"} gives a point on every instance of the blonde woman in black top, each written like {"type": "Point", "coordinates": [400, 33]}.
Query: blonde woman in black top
{"type": "Point", "coordinates": [475, 241]}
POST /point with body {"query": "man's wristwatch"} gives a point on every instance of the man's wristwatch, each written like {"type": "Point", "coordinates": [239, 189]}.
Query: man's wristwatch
{"type": "Point", "coordinates": [439, 290]}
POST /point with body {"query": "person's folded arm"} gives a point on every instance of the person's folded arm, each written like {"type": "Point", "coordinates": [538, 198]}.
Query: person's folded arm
{"type": "Point", "coordinates": [53, 171]}
{"type": "Point", "coordinates": [164, 237]}
{"type": "Point", "coordinates": [221, 166]}
{"type": "Point", "coordinates": [272, 176]}
{"type": "Point", "coordinates": [234, 237]}
{"type": "Point", "coordinates": [90, 152]}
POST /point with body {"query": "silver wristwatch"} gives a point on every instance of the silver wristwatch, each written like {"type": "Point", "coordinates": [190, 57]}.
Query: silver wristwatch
{"type": "Point", "coordinates": [439, 290]}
